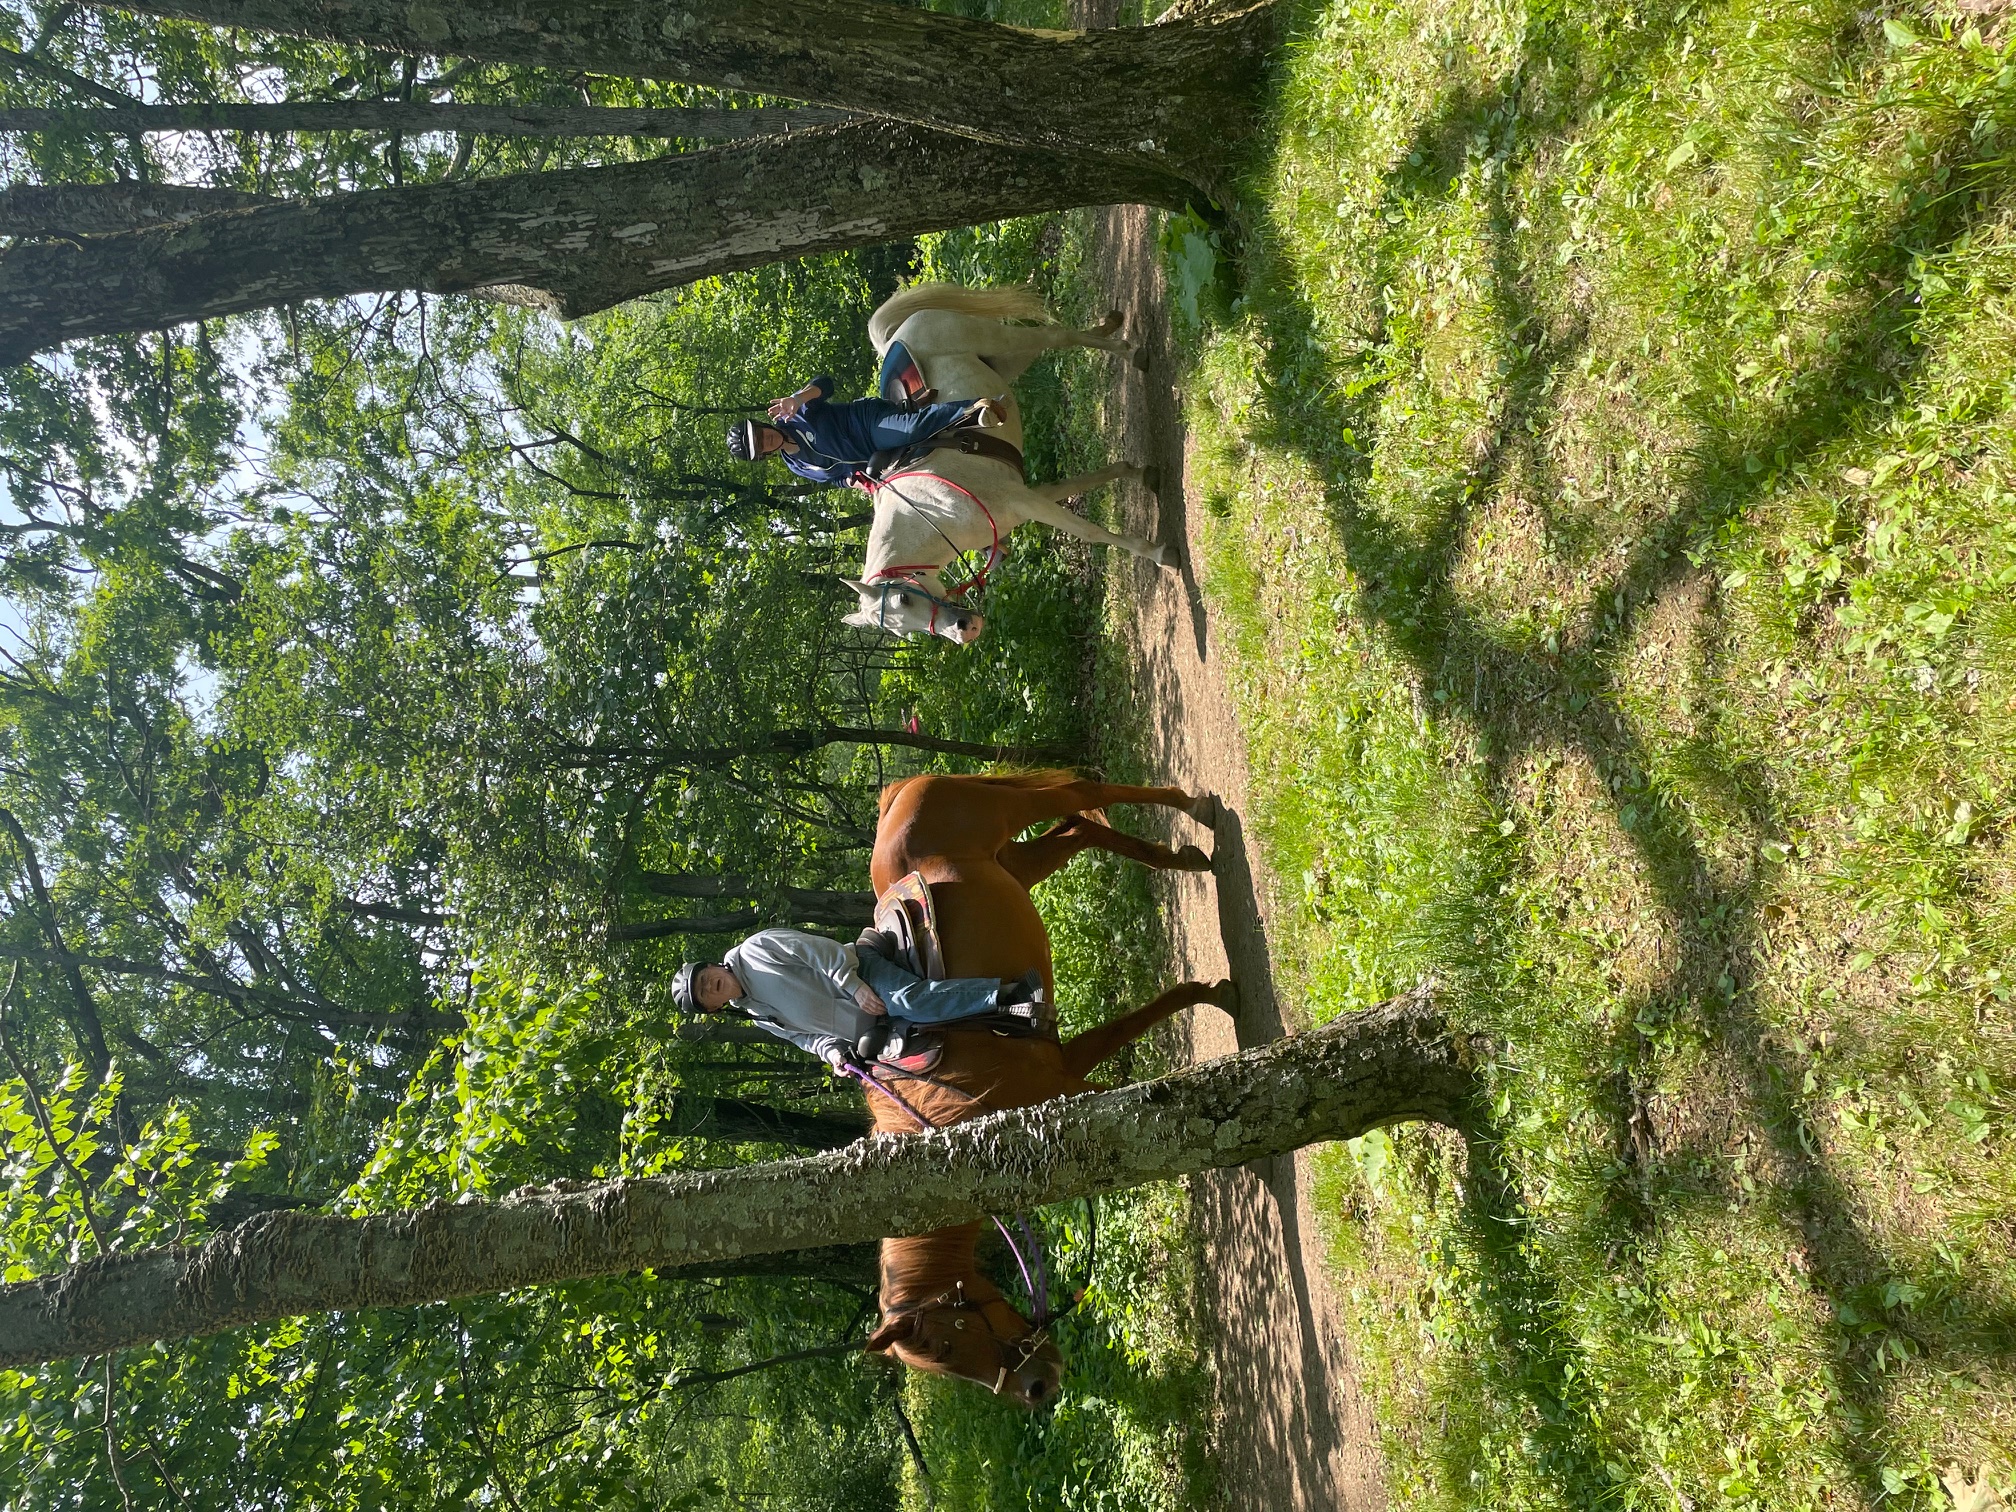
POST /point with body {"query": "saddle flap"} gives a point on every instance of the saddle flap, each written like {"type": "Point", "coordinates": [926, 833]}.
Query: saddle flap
{"type": "Point", "coordinates": [902, 380]}
{"type": "Point", "coordinates": [904, 911]}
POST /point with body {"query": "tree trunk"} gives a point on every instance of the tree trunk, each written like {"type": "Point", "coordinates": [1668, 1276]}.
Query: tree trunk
{"type": "Point", "coordinates": [418, 117]}
{"type": "Point", "coordinates": [1180, 93]}
{"type": "Point", "coordinates": [585, 238]}
{"type": "Point", "coordinates": [801, 743]}
{"type": "Point", "coordinates": [1395, 1063]}
{"type": "Point", "coordinates": [772, 905]}
{"type": "Point", "coordinates": [104, 209]}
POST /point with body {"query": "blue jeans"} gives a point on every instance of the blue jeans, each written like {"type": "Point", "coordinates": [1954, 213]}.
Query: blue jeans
{"type": "Point", "coordinates": [897, 429]}
{"type": "Point", "coordinates": [916, 1001]}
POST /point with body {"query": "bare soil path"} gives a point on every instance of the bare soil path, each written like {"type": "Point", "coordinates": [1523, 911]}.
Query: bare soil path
{"type": "Point", "coordinates": [1293, 1430]}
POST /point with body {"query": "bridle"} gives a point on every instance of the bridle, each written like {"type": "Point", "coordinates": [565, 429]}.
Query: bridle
{"type": "Point", "coordinates": [954, 1299]}
{"type": "Point", "coordinates": [906, 574]}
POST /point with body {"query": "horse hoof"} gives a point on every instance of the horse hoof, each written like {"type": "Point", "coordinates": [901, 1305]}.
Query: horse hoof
{"type": "Point", "coordinates": [1190, 858]}
{"type": "Point", "coordinates": [1140, 359]}
{"type": "Point", "coordinates": [1151, 479]}
{"type": "Point", "coordinates": [1207, 810]}
{"type": "Point", "coordinates": [1113, 324]}
{"type": "Point", "coordinates": [1226, 995]}
{"type": "Point", "coordinates": [1165, 556]}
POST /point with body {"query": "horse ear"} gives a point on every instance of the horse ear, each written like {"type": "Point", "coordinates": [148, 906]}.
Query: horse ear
{"type": "Point", "coordinates": [859, 587]}
{"type": "Point", "coordinates": [895, 1331]}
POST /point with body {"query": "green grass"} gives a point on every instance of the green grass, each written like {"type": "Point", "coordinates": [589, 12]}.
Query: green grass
{"type": "Point", "coordinates": [1604, 425]}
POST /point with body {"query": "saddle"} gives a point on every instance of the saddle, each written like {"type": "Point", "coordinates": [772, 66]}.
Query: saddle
{"type": "Point", "coordinates": [905, 914]}
{"type": "Point", "coordinates": [965, 438]}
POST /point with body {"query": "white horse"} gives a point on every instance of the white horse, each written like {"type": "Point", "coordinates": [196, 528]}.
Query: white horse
{"type": "Point", "coordinates": [950, 501]}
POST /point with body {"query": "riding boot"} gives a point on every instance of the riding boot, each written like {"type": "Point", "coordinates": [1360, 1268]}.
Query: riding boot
{"type": "Point", "coordinates": [1022, 998]}
{"type": "Point", "coordinates": [869, 1046]}
{"type": "Point", "coordinates": [880, 941]}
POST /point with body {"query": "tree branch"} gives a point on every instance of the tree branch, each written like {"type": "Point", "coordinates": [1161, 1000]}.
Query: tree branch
{"type": "Point", "coordinates": [56, 73]}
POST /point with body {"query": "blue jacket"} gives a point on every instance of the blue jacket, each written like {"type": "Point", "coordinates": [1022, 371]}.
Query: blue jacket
{"type": "Point", "coordinates": [834, 441]}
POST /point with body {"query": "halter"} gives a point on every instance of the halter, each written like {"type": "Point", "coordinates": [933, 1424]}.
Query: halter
{"type": "Point", "coordinates": [906, 573]}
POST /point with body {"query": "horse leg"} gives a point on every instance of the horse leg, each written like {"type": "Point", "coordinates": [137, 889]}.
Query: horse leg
{"type": "Point", "coordinates": [1084, 1051]}
{"type": "Point", "coordinates": [1032, 805]}
{"type": "Point", "coordinates": [1035, 506]}
{"type": "Point", "coordinates": [1030, 861]}
{"type": "Point", "coordinates": [1085, 483]}
{"type": "Point", "coordinates": [1010, 350]}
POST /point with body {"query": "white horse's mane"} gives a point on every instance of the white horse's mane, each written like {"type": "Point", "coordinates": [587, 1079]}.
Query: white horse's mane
{"type": "Point", "coordinates": [1006, 302]}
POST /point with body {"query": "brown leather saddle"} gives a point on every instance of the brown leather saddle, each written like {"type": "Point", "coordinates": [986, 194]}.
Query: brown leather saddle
{"type": "Point", "coordinates": [965, 438]}
{"type": "Point", "coordinates": [905, 913]}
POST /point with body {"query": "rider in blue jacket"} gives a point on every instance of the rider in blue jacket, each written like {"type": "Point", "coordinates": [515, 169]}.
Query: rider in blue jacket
{"type": "Point", "coordinates": [826, 442]}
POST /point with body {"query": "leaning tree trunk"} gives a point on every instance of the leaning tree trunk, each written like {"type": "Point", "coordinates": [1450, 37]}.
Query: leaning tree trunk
{"type": "Point", "coordinates": [580, 240]}
{"type": "Point", "coordinates": [1396, 1063]}
{"type": "Point", "coordinates": [1181, 92]}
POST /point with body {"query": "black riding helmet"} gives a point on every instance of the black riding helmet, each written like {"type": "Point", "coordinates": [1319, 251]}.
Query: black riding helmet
{"type": "Point", "coordinates": [744, 438]}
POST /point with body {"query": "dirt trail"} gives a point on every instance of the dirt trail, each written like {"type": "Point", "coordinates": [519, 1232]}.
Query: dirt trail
{"type": "Point", "coordinates": [1294, 1431]}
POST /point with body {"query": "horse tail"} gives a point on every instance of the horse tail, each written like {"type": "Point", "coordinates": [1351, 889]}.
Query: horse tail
{"type": "Point", "coordinates": [1003, 302]}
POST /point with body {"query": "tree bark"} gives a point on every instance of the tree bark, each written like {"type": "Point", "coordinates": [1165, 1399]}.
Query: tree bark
{"type": "Point", "coordinates": [419, 117]}
{"type": "Point", "coordinates": [105, 209]}
{"type": "Point", "coordinates": [1179, 93]}
{"type": "Point", "coordinates": [586, 238]}
{"type": "Point", "coordinates": [1396, 1063]}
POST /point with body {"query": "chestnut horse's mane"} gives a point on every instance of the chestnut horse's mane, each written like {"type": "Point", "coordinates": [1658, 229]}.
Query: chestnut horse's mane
{"type": "Point", "coordinates": [914, 1269]}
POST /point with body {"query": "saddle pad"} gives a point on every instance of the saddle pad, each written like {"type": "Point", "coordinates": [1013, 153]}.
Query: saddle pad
{"type": "Point", "coordinates": [905, 911]}
{"type": "Point", "coordinates": [902, 380]}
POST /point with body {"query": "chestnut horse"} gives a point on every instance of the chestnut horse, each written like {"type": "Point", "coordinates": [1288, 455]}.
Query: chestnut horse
{"type": "Point", "coordinates": [938, 1312]}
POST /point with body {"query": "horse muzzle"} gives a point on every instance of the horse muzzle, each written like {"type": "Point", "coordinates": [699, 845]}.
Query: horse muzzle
{"type": "Point", "coordinates": [962, 628]}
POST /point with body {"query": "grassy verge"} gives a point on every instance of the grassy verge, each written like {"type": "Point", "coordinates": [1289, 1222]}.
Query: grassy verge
{"type": "Point", "coordinates": [1606, 451]}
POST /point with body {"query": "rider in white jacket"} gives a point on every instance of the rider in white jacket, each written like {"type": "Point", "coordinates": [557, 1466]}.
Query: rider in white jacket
{"type": "Point", "coordinates": [825, 997]}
